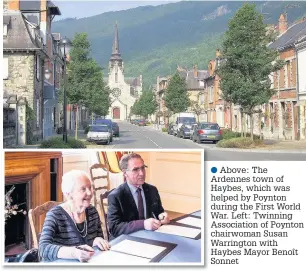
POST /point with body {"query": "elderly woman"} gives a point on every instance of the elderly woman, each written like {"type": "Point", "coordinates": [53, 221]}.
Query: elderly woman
{"type": "Point", "coordinates": [73, 228]}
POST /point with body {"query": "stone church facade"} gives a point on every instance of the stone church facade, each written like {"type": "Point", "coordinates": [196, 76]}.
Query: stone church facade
{"type": "Point", "coordinates": [124, 90]}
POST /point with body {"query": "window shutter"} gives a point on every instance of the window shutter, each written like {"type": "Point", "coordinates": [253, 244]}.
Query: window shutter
{"type": "Point", "coordinates": [5, 68]}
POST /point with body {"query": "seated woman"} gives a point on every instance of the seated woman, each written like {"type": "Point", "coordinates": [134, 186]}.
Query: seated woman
{"type": "Point", "coordinates": [72, 228]}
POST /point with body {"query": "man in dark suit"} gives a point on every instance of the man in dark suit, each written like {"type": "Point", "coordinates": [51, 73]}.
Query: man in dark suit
{"type": "Point", "coordinates": [134, 205]}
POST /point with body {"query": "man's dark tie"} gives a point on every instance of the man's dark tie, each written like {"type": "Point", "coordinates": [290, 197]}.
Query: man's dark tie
{"type": "Point", "coordinates": [140, 204]}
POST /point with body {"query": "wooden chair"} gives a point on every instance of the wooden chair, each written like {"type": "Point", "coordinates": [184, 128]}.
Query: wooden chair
{"type": "Point", "coordinates": [103, 214]}
{"type": "Point", "coordinates": [101, 183]}
{"type": "Point", "coordinates": [34, 215]}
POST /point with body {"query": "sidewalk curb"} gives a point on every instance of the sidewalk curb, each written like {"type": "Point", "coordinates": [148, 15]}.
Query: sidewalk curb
{"type": "Point", "coordinates": [256, 150]}
{"type": "Point", "coordinates": [303, 151]}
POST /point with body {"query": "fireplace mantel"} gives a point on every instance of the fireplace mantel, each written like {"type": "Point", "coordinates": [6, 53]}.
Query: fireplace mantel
{"type": "Point", "coordinates": [34, 168]}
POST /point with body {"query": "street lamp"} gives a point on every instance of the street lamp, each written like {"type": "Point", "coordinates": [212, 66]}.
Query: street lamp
{"type": "Point", "coordinates": [65, 45]}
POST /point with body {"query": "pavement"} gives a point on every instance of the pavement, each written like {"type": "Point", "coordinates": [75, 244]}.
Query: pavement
{"type": "Point", "coordinates": [271, 145]}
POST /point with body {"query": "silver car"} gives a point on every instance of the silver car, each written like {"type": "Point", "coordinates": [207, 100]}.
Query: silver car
{"type": "Point", "coordinates": [206, 131]}
{"type": "Point", "coordinates": [99, 134]}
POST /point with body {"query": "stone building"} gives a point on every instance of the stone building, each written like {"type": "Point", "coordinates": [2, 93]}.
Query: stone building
{"type": "Point", "coordinates": [25, 53]}
{"type": "Point", "coordinates": [124, 90]}
{"type": "Point", "coordinates": [195, 82]}
{"type": "Point", "coordinates": [281, 114]}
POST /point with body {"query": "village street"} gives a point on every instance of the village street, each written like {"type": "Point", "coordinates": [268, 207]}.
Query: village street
{"type": "Point", "coordinates": [147, 137]}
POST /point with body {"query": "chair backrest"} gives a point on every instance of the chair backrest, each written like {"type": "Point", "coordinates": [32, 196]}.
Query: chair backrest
{"type": "Point", "coordinates": [29, 256]}
{"type": "Point", "coordinates": [100, 181]}
{"type": "Point", "coordinates": [103, 214]}
{"type": "Point", "coordinates": [34, 215]}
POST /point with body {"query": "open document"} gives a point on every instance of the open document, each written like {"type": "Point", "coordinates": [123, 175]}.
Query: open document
{"type": "Point", "coordinates": [114, 258]}
{"type": "Point", "coordinates": [128, 251]}
{"type": "Point", "coordinates": [191, 221]}
{"type": "Point", "coordinates": [178, 230]}
{"type": "Point", "coordinates": [138, 249]}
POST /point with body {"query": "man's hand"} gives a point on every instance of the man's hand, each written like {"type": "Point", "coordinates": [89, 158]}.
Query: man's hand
{"type": "Point", "coordinates": [83, 253]}
{"type": "Point", "coordinates": [151, 224]}
{"type": "Point", "coordinates": [101, 243]}
{"type": "Point", "coordinates": [164, 218]}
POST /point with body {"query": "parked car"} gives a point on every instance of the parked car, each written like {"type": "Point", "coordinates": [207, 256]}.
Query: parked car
{"type": "Point", "coordinates": [170, 128]}
{"type": "Point", "coordinates": [191, 130]}
{"type": "Point", "coordinates": [135, 121]}
{"type": "Point", "coordinates": [99, 134]}
{"type": "Point", "coordinates": [107, 122]}
{"type": "Point", "coordinates": [141, 122]}
{"type": "Point", "coordinates": [115, 129]}
{"type": "Point", "coordinates": [184, 131]}
{"type": "Point", "coordinates": [206, 131]}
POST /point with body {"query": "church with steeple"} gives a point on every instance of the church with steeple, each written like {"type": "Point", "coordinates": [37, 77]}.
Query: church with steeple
{"type": "Point", "coordinates": [124, 90]}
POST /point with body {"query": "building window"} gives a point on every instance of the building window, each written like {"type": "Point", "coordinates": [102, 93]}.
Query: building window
{"type": "Point", "coordinates": [202, 99]}
{"type": "Point", "coordinates": [5, 30]}
{"type": "Point", "coordinates": [211, 94]}
{"type": "Point", "coordinates": [5, 68]}
{"type": "Point", "coordinates": [116, 77]}
{"type": "Point", "coordinates": [37, 113]}
{"type": "Point", "coordinates": [38, 65]}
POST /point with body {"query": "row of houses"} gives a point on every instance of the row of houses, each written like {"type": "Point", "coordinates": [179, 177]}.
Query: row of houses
{"type": "Point", "coordinates": [283, 117]}
{"type": "Point", "coordinates": [32, 73]}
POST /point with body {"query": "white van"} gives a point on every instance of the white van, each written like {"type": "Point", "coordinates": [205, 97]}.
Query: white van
{"type": "Point", "coordinates": [181, 118]}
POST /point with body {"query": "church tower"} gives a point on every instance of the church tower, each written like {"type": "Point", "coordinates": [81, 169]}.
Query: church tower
{"type": "Point", "coordinates": [115, 61]}
{"type": "Point", "coordinates": [124, 91]}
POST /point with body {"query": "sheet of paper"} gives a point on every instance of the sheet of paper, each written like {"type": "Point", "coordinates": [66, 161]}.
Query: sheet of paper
{"type": "Point", "coordinates": [191, 221]}
{"type": "Point", "coordinates": [116, 258]}
{"type": "Point", "coordinates": [178, 230]}
{"type": "Point", "coordinates": [138, 248]}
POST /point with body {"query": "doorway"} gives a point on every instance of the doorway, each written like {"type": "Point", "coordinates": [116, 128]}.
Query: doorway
{"type": "Point", "coordinates": [116, 113]}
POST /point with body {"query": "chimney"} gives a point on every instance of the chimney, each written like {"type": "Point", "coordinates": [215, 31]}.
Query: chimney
{"type": "Point", "coordinates": [13, 5]}
{"type": "Point", "coordinates": [195, 71]}
{"type": "Point", "coordinates": [282, 23]}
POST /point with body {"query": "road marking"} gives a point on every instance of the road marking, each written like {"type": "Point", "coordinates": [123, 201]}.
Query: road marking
{"type": "Point", "coordinates": [152, 141]}
{"type": "Point", "coordinates": [139, 131]}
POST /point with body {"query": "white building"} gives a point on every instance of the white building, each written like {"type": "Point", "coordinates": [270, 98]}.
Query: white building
{"type": "Point", "coordinates": [124, 91]}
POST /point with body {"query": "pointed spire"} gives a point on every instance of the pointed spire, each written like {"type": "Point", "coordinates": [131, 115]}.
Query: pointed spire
{"type": "Point", "coordinates": [116, 51]}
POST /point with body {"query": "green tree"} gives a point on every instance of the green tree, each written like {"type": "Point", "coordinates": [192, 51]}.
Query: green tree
{"type": "Point", "coordinates": [85, 78]}
{"type": "Point", "coordinates": [147, 103]}
{"type": "Point", "coordinates": [135, 109]}
{"type": "Point", "coordinates": [247, 62]}
{"type": "Point", "coordinates": [176, 96]}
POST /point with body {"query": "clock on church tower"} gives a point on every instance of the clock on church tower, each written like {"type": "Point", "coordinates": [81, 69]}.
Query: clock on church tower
{"type": "Point", "coordinates": [116, 92]}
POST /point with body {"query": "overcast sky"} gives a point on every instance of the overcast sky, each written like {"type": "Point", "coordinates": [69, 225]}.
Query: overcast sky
{"type": "Point", "coordinates": [80, 9]}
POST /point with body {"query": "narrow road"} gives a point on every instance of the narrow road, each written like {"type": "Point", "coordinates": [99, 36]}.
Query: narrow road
{"type": "Point", "coordinates": [135, 137]}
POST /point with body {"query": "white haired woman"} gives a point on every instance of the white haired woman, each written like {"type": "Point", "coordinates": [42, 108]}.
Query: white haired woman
{"type": "Point", "coordinates": [73, 228]}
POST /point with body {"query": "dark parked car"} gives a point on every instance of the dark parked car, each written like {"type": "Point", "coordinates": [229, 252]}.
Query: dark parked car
{"type": "Point", "coordinates": [141, 122]}
{"type": "Point", "coordinates": [184, 131]}
{"type": "Point", "coordinates": [115, 129]}
{"type": "Point", "coordinates": [170, 128]}
{"type": "Point", "coordinates": [206, 131]}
